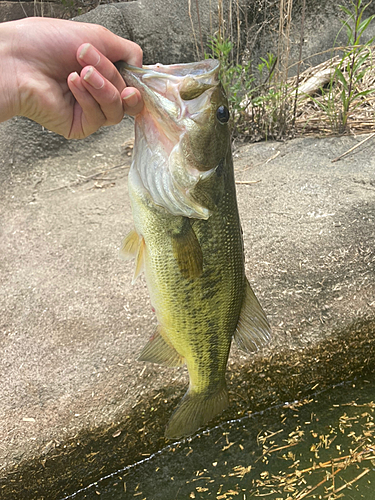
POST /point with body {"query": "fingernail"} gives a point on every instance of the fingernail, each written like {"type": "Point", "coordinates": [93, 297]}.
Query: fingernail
{"type": "Point", "coordinates": [89, 55]}
{"type": "Point", "coordinates": [73, 77]}
{"type": "Point", "coordinates": [130, 100]}
{"type": "Point", "coordinates": [94, 79]}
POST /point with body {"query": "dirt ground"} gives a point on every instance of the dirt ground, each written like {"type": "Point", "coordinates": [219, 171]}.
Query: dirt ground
{"type": "Point", "coordinates": [72, 324]}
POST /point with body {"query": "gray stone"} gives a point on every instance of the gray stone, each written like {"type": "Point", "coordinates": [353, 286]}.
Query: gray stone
{"type": "Point", "coordinates": [323, 30]}
{"type": "Point", "coordinates": [164, 29]}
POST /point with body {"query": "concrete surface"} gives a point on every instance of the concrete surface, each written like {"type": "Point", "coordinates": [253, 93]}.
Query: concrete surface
{"type": "Point", "coordinates": [72, 325]}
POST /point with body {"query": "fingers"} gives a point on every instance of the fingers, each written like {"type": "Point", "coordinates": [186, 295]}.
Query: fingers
{"type": "Point", "coordinates": [106, 95]}
{"type": "Point", "coordinates": [87, 114]}
{"type": "Point", "coordinates": [132, 101]}
{"type": "Point", "coordinates": [100, 92]}
{"type": "Point", "coordinates": [98, 102]}
{"type": "Point", "coordinates": [98, 99]}
{"type": "Point", "coordinates": [87, 54]}
{"type": "Point", "coordinates": [112, 103]}
{"type": "Point", "coordinates": [131, 53]}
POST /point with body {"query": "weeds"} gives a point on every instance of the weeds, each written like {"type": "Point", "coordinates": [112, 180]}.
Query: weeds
{"type": "Point", "coordinates": [343, 95]}
{"type": "Point", "coordinates": [256, 98]}
{"type": "Point", "coordinates": [352, 68]}
{"type": "Point", "coordinates": [237, 79]}
{"type": "Point", "coordinates": [265, 103]}
{"type": "Point", "coordinates": [256, 90]}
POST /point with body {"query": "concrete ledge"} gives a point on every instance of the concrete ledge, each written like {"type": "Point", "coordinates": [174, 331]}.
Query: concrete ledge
{"type": "Point", "coordinates": [72, 324]}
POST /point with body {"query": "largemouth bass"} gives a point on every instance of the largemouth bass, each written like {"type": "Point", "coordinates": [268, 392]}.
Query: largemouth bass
{"type": "Point", "coordinates": [187, 237]}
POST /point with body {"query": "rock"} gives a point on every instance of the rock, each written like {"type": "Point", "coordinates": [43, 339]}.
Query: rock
{"type": "Point", "coordinates": [24, 142]}
{"type": "Point", "coordinates": [323, 30]}
{"type": "Point", "coordinates": [164, 29]}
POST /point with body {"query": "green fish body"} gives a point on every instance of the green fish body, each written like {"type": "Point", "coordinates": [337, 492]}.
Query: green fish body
{"type": "Point", "coordinates": [187, 237]}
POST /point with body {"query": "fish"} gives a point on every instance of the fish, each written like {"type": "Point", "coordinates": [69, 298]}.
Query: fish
{"type": "Point", "coordinates": [187, 236]}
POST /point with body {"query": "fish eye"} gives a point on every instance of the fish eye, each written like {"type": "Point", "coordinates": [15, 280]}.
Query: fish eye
{"type": "Point", "coordinates": [222, 114]}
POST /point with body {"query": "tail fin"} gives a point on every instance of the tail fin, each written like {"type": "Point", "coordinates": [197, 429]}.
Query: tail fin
{"type": "Point", "coordinates": [194, 411]}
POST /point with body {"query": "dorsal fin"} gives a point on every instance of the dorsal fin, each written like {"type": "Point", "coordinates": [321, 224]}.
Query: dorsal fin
{"type": "Point", "coordinates": [253, 330]}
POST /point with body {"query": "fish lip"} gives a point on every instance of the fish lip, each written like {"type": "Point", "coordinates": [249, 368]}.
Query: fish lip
{"type": "Point", "coordinates": [204, 73]}
{"type": "Point", "coordinates": [206, 69]}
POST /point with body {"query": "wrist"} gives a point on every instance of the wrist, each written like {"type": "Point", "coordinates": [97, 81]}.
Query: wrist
{"type": "Point", "coordinates": [9, 95]}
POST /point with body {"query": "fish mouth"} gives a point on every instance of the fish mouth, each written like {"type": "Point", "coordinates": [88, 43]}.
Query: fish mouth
{"type": "Point", "coordinates": [176, 98]}
{"type": "Point", "coordinates": [203, 72]}
{"type": "Point", "coordinates": [164, 88]}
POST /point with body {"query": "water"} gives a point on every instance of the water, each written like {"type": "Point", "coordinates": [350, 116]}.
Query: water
{"type": "Point", "coordinates": [322, 447]}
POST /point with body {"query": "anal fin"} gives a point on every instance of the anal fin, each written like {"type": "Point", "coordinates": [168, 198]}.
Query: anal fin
{"type": "Point", "coordinates": [157, 350]}
{"type": "Point", "coordinates": [253, 330]}
{"type": "Point", "coordinates": [133, 247]}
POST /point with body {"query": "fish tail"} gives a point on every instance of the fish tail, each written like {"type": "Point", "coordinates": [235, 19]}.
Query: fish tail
{"type": "Point", "coordinates": [194, 411]}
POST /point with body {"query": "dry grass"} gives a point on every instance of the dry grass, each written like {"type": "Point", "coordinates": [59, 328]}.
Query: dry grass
{"type": "Point", "coordinates": [313, 119]}
{"type": "Point", "coordinates": [323, 477]}
{"type": "Point", "coordinates": [309, 103]}
{"type": "Point", "coordinates": [319, 104]}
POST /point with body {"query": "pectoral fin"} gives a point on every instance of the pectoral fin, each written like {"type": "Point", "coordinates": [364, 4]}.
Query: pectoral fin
{"type": "Point", "coordinates": [253, 330]}
{"type": "Point", "coordinates": [187, 251]}
{"type": "Point", "coordinates": [133, 247]}
{"type": "Point", "coordinates": [158, 351]}
{"type": "Point", "coordinates": [130, 245]}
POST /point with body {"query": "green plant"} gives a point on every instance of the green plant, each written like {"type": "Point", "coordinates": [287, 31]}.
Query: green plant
{"type": "Point", "coordinates": [352, 68]}
{"type": "Point", "coordinates": [254, 98]}
{"type": "Point", "coordinates": [343, 95]}
{"type": "Point", "coordinates": [331, 106]}
{"type": "Point", "coordinates": [269, 63]}
{"type": "Point", "coordinates": [237, 79]}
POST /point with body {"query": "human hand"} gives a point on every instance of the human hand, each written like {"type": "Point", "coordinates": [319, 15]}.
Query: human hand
{"type": "Point", "coordinates": [60, 74]}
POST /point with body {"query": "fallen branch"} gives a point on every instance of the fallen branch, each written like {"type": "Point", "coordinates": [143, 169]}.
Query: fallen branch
{"type": "Point", "coordinates": [247, 182]}
{"type": "Point", "coordinates": [350, 482]}
{"type": "Point", "coordinates": [353, 148]}
{"type": "Point", "coordinates": [84, 179]}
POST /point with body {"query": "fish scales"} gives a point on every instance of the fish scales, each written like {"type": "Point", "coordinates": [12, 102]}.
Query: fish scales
{"type": "Point", "coordinates": [212, 311]}
{"type": "Point", "coordinates": [187, 236]}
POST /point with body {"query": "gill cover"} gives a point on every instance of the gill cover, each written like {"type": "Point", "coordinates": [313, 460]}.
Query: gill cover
{"type": "Point", "coordinates": [181, 136]}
